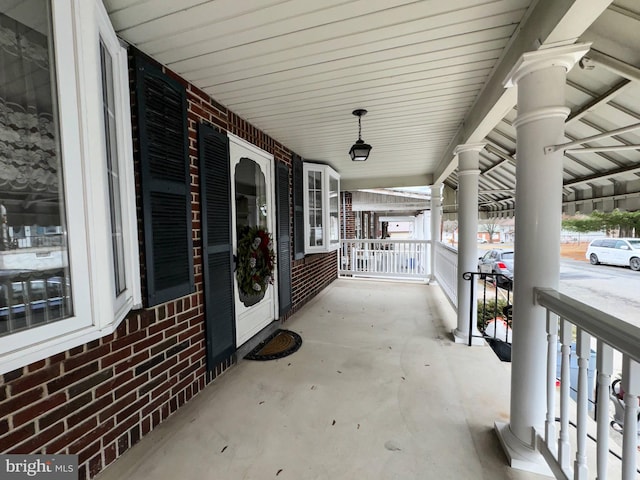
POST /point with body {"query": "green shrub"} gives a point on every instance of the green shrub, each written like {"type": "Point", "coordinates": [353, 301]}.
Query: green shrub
{"type": "Point", "coordinates": [488, 311]}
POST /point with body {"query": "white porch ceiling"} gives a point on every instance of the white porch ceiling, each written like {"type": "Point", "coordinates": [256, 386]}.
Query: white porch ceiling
{"type": "Point", "coordinates": [429, 72]}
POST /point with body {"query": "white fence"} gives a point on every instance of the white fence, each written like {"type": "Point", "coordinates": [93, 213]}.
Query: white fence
{"type": "Point", "coordinates": [446, 271]}
{"type": "Point", "coordinates": [569, 452]}
{"type": "Point", "coordinates": [406, 259]}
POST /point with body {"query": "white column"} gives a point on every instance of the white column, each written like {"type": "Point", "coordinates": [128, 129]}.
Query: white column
{"type": "Point", "coordinates": [435, 219]}
{"type": "Point", "coordinates": [468, 173]}
{"type": "Point", "coordinates": [540, 77]}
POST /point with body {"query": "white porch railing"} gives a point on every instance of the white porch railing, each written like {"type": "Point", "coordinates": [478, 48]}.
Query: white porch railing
{"type": "Point", "coordinates": [446, 271]}
{"type": "Point", "coordinates": [406, 259]}
{"type": "Point", "coordinates": [569, 319]}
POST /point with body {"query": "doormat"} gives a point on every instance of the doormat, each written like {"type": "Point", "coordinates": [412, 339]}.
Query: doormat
{"type": "Point", "coordinates": [279, 344]}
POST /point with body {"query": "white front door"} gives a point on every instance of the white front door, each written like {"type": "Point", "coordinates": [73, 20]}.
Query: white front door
{"type": "Point", "coordinates": [253, 191]}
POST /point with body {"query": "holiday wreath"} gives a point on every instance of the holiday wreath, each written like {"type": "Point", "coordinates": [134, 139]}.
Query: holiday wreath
{"type": "Point", "coordinates": [256, 260]}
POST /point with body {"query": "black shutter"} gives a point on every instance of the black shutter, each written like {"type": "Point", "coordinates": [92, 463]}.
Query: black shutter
{"type": "Point", "coordinates": [298, 207]}
{"type": "Point", "coordinates": [217, 251]}
{"type": "Point", "coordinates": [284, 238]}
{"type": "Point", "coordinates": [166, 191]}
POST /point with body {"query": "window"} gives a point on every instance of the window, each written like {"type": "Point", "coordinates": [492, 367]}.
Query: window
{"type": "Point", "coordinates": [322, 208]}
{"type": "Point", "coordinates": [68, 250]}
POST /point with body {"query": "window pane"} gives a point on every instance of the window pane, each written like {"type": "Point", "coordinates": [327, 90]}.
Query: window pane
{"type": "Point", "coordinates": [115, 203]}
{"type": "Point", "coordinates": [315, 209]}
{"type": "Point", "coordinates": [34, 276]}
{"type": "Point", "coordinates": [334, 233]}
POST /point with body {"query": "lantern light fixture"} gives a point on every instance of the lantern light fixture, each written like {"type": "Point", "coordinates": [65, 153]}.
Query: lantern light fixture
{"type": "Point", "coordinates": [360, 151]}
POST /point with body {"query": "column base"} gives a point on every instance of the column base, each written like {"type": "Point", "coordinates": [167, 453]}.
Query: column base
{"type": "Point", "coordinates": [432, 281]}
{"type": "Point", "coordinates": [460, 337]}
{"type": "Point", "coordinates": [519, 455]}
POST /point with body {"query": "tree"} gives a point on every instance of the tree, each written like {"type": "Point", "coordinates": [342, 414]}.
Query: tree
{"type": "Point", "coordinates": [491, 226]}
{"type": "Point", "coordinates": [625, 224]}
{"type": "Point", "coordinates": [450, 227]}
{"type": "Point", "coordinates": [582, 224]}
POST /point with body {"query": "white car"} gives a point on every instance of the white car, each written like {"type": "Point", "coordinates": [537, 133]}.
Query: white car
{"type": "Point", "coordinates": [615, 251]}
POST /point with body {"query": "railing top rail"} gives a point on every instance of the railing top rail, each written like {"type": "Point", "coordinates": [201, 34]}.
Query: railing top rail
{"type": "Point", "coordinates": [385, 241]}
{"type": "Point", "coordinates": [449, 248]}
{"type": "Point", "coordinates": [611, 330]}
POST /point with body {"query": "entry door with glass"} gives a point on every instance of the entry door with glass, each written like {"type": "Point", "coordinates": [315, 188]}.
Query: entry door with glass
{"type": "Point", "coordinates": [253, 215]}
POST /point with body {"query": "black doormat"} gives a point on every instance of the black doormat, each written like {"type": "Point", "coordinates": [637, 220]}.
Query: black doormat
{"type": "Point", "coordinates": [279, 344]}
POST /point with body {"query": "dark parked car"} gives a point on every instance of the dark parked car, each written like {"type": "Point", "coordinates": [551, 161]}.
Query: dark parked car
{"type": "Point", "coordinates": [498, 261]}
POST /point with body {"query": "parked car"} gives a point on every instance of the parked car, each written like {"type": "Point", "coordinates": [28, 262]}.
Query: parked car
{"type": "Point", "coordinates": [615, 251]}
{"type": "Point", "coordinates": [498, 261]}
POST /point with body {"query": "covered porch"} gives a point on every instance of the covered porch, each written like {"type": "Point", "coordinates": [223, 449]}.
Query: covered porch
{"type": "Point", "coordinates": [377, 390]}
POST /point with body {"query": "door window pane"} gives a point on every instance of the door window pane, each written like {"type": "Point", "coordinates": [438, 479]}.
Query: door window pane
{"type": "Point", "coordinates": [34, 275]}
{"type": "Point", "coordinates": [251, 211]}
{"type": "Point", "coordinates": [251, 195]}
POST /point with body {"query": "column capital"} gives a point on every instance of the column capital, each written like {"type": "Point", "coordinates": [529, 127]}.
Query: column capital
{"type": "Point", "coordinates": [565, 56]}
{"type": "Point", "coordinates": [436, 189]}
{"type": "Point", "coordinates": [469, 147]}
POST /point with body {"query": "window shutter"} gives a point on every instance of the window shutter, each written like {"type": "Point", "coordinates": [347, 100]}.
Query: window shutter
{"type": "Point", "coordinates": [284, 238]}
{"type": "Point", "coordinates": [217, 255]}
{"type": "Point", "coordinates": [166, 190]}
{"type": "Point", "coordinates": [298, 207]}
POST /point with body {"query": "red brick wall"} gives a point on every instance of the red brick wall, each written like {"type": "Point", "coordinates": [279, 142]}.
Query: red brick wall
{"type": "Point", "coordinates": [99, 399]}
{"type": "Point", "coordinates": [310, 275]}
{"type": "Point", "coordinates": [347, 217]}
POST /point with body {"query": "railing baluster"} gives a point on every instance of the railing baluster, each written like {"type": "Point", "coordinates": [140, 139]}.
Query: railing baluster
{"type": "Point", "coordinates": [631, 388]}
{"type": "Point", "coordinates": [583, 351]}
{"type": "Point", "coordinates": [552, 354]}
{"type": "Point", "coordinates": [564, 448]}
{"type": "Point", "coordinates": [604, 365]}
{"type": "Point", "coordinates": [383, 258]}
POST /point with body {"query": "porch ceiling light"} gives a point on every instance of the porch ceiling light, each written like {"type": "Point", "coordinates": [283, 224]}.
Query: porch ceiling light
{"type": "Point", "coordinates": [360, 151]}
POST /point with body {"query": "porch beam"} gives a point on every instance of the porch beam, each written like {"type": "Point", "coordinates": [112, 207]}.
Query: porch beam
{"type": "Point", "coordinates": [386, 182]}
{"type": "Point", "coordinates": [614, 65]}
{"type": "Point", "coordinates": [598, 101]}
{"type": "Point", "coordinates": [559, 22]}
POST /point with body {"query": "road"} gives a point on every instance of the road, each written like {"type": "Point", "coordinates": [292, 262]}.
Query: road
{"type": "Point", "coordinates": [615, 290]}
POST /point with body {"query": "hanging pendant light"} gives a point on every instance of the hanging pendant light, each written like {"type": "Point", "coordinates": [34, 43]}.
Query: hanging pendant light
{"type": "Point", "coordinates": [360, 151]}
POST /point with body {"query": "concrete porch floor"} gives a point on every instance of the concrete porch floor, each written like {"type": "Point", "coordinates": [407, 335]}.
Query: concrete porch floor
{"type": "Point", "coordinates": [378, 390]}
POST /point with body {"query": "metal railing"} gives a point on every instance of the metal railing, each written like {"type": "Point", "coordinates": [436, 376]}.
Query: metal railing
{"type": "Point", "coordinates": [490, 308]}
{"type": "Point", "coordinates": [402, 259]}
{"type": "Point", "coordinates": [36, 241]}
{"type": "Point", "coordinates": [569, 319]}
{"type": "Point", "coordinates": [32, 298]}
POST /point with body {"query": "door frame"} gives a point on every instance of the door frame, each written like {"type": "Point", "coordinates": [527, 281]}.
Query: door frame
{"type": "Point", "coordinates": [234, 143]}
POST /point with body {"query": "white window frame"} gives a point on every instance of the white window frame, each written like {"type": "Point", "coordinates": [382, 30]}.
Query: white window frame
{"type": "Point", "coordinates": [78, 26]}
{"type": "Point", "coordinates": [326, 172]}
